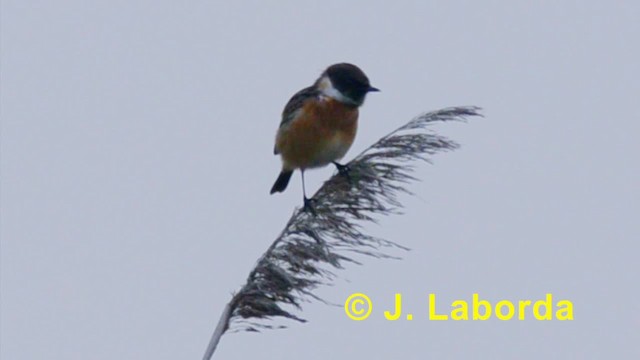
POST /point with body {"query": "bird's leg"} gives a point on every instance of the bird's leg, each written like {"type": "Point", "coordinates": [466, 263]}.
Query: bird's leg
{"type": "Point", "coordinates": [308, 203]}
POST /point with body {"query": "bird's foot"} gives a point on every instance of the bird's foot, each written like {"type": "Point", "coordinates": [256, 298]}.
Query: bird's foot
{"type": "Point", "coordinates": [344, 170]}
{"type": "Point", "coordinates": [309, 205]}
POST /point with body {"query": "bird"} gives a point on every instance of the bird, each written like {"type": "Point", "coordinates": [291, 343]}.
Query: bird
{"type": "Point", "coordinates": [319, 123]}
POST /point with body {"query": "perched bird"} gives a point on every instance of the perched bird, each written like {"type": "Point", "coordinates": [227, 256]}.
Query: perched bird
{"type": "Point", "coordinates": [319, 123]}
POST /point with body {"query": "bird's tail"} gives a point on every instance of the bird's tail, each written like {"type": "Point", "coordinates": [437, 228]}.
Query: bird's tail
{"type": "Point", "coordinates": [282, 181]}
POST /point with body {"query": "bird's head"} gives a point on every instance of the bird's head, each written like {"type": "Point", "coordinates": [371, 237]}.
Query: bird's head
{"type": "Point", "coordinates": [345, 83]}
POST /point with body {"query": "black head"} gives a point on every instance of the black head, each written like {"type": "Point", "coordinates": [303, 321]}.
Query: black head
{"type": "Point", "coordinates": [349, 81]}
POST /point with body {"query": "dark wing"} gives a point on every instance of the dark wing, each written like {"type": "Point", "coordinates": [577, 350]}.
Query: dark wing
{"type": "Point", "coordinates": [296, 103]}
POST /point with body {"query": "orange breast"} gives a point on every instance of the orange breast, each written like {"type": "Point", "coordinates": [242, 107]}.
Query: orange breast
{"type": "Point", "coordinates": [322, 132]}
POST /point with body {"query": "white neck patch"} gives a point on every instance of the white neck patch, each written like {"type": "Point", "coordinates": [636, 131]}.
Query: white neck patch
{"type": "Point", "coordinates": [326, 88]}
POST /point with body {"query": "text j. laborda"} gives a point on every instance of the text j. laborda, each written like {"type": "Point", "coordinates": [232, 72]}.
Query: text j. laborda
{"type": "Point", "coordinates": [359, 306]}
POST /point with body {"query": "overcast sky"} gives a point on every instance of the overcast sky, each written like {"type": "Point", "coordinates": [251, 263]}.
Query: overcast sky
{"type": "Point", "coordinates": [136, 163]}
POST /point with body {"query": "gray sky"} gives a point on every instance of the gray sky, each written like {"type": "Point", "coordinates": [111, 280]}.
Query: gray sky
{"type": "Point", "coordinates": [137, 160]}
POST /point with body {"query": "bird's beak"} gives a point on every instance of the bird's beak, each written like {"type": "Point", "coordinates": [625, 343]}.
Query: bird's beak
{"type": "Point", "coordinates": [372, 89]}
